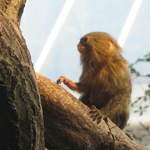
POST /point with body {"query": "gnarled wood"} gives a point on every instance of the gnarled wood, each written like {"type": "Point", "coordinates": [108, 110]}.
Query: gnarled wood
{"type": "Point", "coordinates": [69, 125]}
{"type": "Point", "coordinates": [13, 8]}
{"type": "Point", "coordinates": [21, 120]}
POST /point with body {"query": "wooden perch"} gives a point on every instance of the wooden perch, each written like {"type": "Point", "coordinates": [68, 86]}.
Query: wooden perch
{"type": "Point", "coordinates": [69, 125]}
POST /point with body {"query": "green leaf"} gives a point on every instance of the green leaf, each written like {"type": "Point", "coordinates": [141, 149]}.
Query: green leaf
{"type": "Point", "coordinates": [138, 74]}
{"type": "Point", "coordinates": [133, 70]}
{"type": "Point", "coordinates": [147, 106]}
{"type": "Point", "coordinates": [136, 111]}
{"type": "Point", "coordinates": [141, 113]}
{"type": "Point", "coordinates": [147, 59]}
{"type": "Point", "coordinates": [148, 75]}
{"type": "Point", "coordinates": [147, 92]}
{"type": "Point", "coordinates": [140, 59]}
{"type": "Point", "coordinates": [140, 97]}
{"type": "Point", "coordinates": [145, 98]}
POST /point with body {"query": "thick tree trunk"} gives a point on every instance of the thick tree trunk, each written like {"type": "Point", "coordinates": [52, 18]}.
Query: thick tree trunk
{"type": "Point", "coordinates": [69, 124]}
{"type": "Point", "coordinates": [21, 119]}
{"type": "Point", "coordinates": [13, 9]}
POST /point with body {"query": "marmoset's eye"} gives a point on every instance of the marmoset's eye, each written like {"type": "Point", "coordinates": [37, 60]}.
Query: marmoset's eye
{"type": "Point", "coordinates": [83, 40]}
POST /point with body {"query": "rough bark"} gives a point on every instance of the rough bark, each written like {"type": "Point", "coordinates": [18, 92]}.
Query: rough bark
{"type": "Point", "coordinates": [21, 120]}
{"type": "Point", "coordinates": [13, 9]}
{"type": "Point", "coordinates": [69, 125]}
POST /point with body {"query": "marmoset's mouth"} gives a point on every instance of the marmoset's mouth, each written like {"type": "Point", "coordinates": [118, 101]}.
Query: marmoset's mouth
{"type": "Point", "coordinates": [81, 48]}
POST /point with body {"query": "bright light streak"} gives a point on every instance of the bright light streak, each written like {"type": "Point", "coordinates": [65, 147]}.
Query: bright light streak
{"type": "Point", "coordinates": [53, 35]}
{"type": "Point", "coordinates": [129, 22]}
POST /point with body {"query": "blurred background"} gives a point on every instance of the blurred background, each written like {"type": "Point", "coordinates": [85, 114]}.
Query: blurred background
{"type": "Point", "coordinates": [52, 30]}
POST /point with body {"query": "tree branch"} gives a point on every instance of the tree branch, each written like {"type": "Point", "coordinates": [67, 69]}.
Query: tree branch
{"type": "Point", "coordinates": [69, 125]}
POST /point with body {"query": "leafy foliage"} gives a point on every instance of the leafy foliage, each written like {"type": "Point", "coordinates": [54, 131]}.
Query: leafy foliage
{"type": "Point", "coordinates": [140, 104]}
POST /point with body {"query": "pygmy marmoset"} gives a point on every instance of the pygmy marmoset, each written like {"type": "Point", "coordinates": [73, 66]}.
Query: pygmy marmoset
{"type": "Point", "coordinates": [105, 79]}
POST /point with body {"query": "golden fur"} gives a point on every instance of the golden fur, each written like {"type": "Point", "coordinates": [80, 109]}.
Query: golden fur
{"type": "Point", "coordinates": [105, 79]}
